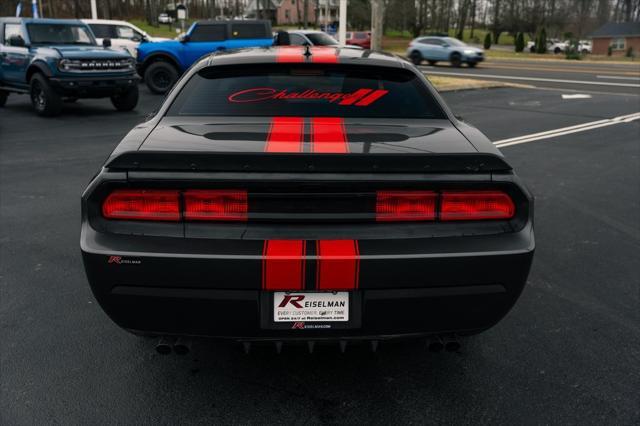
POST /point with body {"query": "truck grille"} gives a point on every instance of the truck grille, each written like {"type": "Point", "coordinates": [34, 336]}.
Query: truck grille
{"type": "Point", "coordinates": [82, 65]}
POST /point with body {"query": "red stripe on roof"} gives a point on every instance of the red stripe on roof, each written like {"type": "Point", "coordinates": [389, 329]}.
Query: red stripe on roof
{"type": "Point", "coordinates": [328, 135]}
{"type": "Point", "coordinates": [285, 135]}
{"type": "Point", "coordinates": [290, 54]}
{"type": "Point", "coordinates": [324, 55]}
{"type": "Point", "coordinates": [338, 265]}
{"type": "Point", "coordinates": [283, 265]}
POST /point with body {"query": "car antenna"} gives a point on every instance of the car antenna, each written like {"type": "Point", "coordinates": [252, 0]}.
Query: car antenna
{"type": "Point", "coordinates": [307, 50]}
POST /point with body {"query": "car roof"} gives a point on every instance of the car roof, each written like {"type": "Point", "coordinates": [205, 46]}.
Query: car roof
{"type": "Point", "coordinates": [104, 21]}
{"type": "Point", "coordinates": [306, 32]}
{"type": "Point", "coordinates": [328, 54]}
{"type": "Point", "coordinates": [42, 21]}
{"type": "Point", "coordinates": [232, 21]}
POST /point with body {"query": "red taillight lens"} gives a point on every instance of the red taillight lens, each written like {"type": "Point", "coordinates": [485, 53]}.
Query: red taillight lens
{"type": "Point", "coordinates": [476, 205]}
{"type": "Point", "coordinates": [405, 205]}
{"type": "Point", "coordinates": [221, 204]}
{"type": "Point", "coordinates": [142, 204]}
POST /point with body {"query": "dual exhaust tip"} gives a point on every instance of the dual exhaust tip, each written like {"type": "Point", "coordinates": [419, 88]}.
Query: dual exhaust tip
{"type": "Point", "coordinates": [179, 346]}
{"type": "Point", "coordinates": [438, 344]}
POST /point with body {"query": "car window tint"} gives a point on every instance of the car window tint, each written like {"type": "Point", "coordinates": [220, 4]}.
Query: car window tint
{"type": "Point", "coordinates": [12, 30]}
{"type": "Point", "coordinates": [125, 32]}
{"type": "Point", "coordinates": [361, 35]}
{"type": "Point", "coordinates": [425, 41]}
{"type": "Point", "coordinates": [314, 91]}
{"type": "Point", "coordinates": [248, 31]}
{"type": "Point", "coordinates": [103, 30]}
{"type": "Point", "coordinates": [297, 39]}
{"type": "Point", "coordinates": [216, 32]}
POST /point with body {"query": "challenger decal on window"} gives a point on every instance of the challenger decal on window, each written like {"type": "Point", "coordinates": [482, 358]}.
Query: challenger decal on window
{"type": "Point", "coordinates": [360, 97]}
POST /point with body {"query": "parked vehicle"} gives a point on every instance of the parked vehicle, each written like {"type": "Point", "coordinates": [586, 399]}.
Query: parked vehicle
{"type": "Point", "coordinates": [123, 35]}
{"type": "Point", "coordinates": [311, 38]}
{"type": "Point", "coordinates": [162, 63]}
{"type": "Point", "coordinates": [306, 194]}
{"type": "Point", "coordinates": [557, 46]}
{"type": "Point", "coordinates": [56, 60]}
{"type": "Point", "coordinates": [436, 49]}
{"type": "Point", "coordinates": [164, 18]}
{"type": "Point", "coordinates": [359, 38]}
{"type": "Point", "coordinates": [585, 47]}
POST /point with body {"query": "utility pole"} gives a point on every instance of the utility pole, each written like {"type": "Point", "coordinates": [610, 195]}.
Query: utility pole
{"type": "Point", "coordinates": [342, 24]}
{"type": "Point", "coordinates": [377, 19]}
{"type": "Point", "coordinates": [94, 10]}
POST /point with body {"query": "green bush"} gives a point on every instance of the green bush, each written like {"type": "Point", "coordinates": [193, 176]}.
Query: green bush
{"type": "Point", "coordinates": [519, 42]}
{"type": "Point", "coordinates": [487, 41]}
{"type": "Point", "coordinates": [541, 41]}
{"type": "Point", "coordinates": [629, 53]}
{"type": "Point", "coordinates": [572, 51]}
{"type": "Point", "coordinates": [609, 51]}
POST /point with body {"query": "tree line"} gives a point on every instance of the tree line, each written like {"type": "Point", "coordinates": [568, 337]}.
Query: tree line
{"type": "Point", "coordinates": [558, 17]}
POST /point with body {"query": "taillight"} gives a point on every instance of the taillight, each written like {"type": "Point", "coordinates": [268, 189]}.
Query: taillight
{"type": "Point", "coordinates": [476, 205]}
{"type": "Point", "coordinates": [142, 204]}
{"type": "Point", "coordinates": [405, 205]}
{"type": "Point", "coordinates": [225, 205]}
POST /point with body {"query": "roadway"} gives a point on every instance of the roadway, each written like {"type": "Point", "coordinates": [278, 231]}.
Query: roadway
{"type": "Point", "coordinates": [568, 353]}
{"type": "Point", "coordinates": [571, 75]}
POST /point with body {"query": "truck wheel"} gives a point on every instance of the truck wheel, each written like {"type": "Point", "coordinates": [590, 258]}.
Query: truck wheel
{"type": "Point", "coordinates": [416, 57]}
{"type": "Point", "coordinates": [44, 99]}
{"type": "Point", "coordinates": [127, 100]}
{"type": "Point", "coordinates": [3, 97]}
{"type": "Point", "coordinates": [160, 77]}
{"type": "Point", "coordinates": [456, 59]}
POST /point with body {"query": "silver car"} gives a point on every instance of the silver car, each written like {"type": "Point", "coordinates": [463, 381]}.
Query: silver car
{"type": "Point", "coordinates": [436, 49]}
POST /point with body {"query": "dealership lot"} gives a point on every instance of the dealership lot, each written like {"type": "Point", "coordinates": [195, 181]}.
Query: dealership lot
{"type": "Point", "coordinates": [567, 353]}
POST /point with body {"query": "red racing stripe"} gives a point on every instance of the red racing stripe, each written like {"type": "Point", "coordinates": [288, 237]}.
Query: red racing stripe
{"type": "Point", "coordinates": [328, 135]}
{"type": "Point", "coordinates": [285, 135]}
{"type": "Point", "coordinates": [324, 55]}
{"type": "Point", "coordinates": [355, 96]}
{"type": "Point", "coordinates": [338, 265]}
{"type": "Point", "coordinates": [283, 265]}
{"type": "Point", "coordinates": [290, 54]}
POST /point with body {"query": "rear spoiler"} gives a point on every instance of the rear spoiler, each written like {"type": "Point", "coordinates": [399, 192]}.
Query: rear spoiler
{"type": "Point", "coordinates": [307, 162]}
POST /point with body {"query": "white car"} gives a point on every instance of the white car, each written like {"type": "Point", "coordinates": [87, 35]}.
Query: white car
{"type": "Point", "coordinates": [164, 18]}
{"type": "Point", "coordinates": [585, 47]}
{"type": "Point", "coordinates": [123, 35]}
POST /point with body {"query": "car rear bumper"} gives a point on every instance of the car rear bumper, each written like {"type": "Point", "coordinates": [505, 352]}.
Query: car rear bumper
{"type": "Point", "coordinates": [420, 286]}
{"type": "Point", "coordinates": [95, 86]}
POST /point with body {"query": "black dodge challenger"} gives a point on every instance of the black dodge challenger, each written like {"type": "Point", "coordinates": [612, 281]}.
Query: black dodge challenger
{"type": "Point", "coordinates": [306, 194]}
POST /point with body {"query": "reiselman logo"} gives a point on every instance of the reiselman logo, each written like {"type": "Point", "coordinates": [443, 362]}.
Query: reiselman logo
{"type": "Point", "coordinates": [119, 260]}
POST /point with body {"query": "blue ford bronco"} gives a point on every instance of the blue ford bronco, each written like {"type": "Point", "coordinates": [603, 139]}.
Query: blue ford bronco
{"type": "Point", "coordinates": [162, 63]}
{"type": "Point", "coordinates": [55, 60]}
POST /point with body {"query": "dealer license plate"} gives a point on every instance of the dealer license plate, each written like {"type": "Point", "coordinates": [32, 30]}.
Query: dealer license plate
{"type": "Point", "coordinates": [311, 307]}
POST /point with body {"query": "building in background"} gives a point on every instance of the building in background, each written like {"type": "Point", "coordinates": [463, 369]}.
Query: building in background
{"type": "Point", "coordinates": [620, 36]}
{"type": "Point", "coordinates": [282, 12]}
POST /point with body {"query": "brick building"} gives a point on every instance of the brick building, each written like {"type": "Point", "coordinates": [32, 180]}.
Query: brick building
{"type": "Point", "coordinates": [619, 35]}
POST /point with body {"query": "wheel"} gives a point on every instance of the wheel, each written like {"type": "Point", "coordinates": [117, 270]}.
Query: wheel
{"type": "Point", "coordinates": [557, 50]}
{"type": "Point", "coordinates": [126, 101]}
{"type": "Point", "coordinates": [585, 52]}
{"type": "Point", "coordinates": [456, 59]}
{"type": "Point", "coordinates": [416, 57]}
{"type": "Point", "coordinates": [44, 99]}
{"type": "Point", "coordinates": [472, 64]}
{"type": "Point", "coordinates": [532, 49]}
{"type": "Point", "coordinates": [432, 63]}
{"type": "Point", "coordinates": [3, 97]}
{"type": "Point", "coordinates": [160, 77]}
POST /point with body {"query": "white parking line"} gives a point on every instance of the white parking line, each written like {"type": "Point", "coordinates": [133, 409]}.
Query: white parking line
{"type": "Point", "coordinates": [615, 77]}
{"type": "Point", "coordinates": [549, 80]}
{"type": "Point", "coordinates": [567, 130]}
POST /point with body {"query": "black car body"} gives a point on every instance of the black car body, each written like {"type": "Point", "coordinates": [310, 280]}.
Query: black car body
{"type": "Point", "coordinates": [359, 207]}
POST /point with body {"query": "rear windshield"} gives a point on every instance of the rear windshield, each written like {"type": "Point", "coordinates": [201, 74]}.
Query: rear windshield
{"type": "Point", "coordinates": [307, 90]}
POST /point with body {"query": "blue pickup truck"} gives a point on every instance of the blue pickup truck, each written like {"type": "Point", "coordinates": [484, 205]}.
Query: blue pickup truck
{"type": "Point", "coordinates": [55, 60]}
{"type": "Point", "coordinates": [161, 64]}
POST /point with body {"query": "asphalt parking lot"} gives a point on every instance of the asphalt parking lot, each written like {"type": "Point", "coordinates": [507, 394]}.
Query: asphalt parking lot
{"type": "Point", "coordinates": [568, 353]}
